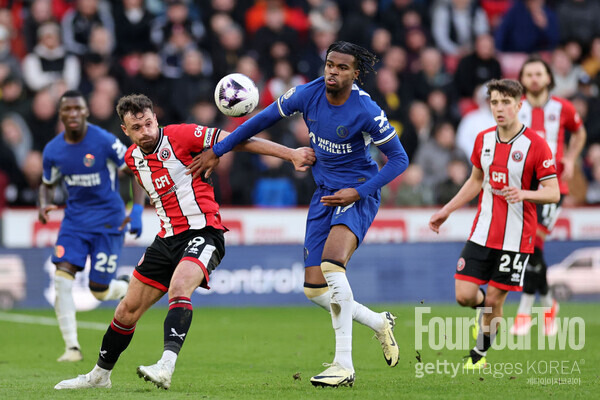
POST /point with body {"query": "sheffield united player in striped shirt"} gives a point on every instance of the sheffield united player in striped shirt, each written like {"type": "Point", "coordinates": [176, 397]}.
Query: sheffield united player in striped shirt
{"type": "Point", "coordinates": [190, 243]}
{"type": "Point", "coordinates": [513, 168]}
{"type": "Point", "coordinates": [549, 116]}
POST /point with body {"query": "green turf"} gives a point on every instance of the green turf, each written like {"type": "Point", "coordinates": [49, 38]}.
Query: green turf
{"type": "Point", "coordinates": [254, 353]}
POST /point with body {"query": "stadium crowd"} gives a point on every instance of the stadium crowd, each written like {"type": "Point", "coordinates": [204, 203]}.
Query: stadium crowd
{"type": "Point", "coordinates": [434, 57]}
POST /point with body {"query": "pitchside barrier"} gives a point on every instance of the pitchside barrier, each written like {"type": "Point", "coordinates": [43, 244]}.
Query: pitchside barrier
{"type": "Point", "coordinates": [400, 261]}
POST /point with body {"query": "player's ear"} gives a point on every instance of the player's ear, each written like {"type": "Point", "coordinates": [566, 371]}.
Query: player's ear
{"type": "Point", "coordinates": [124, 129]}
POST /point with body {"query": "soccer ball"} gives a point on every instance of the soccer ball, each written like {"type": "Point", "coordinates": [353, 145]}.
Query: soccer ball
{"type": "Point", "coordinates": [236, 95]}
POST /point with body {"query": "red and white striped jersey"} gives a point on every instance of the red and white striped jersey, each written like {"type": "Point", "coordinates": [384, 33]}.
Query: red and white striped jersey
{"type": "Point", "coordinates": [181, 201]}
{"type": "Point", "coordinates": [550, 123]}
{"type": "Point", "coordinates": [522, 162]}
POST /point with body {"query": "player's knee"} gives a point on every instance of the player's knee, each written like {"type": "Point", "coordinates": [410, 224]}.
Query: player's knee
{"type": "Point", "coordinates": [314, 290]}
{"type": "Point", "coordinates": [466, 300]}
{"type": "Point", "coordinates": [329, 266]}
{"type": "Point", "coordinates": [99, 291]}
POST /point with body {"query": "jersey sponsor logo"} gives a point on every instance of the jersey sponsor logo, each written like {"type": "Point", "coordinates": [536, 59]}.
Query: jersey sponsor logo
{"type": "Point", "coordinates": [331, 147]}
{"type": "Point", "coordinates": [548, 163]}
{"type": "Point", "coordinates": [164, 154]}
{"type": "Point", "coordinates": [89, 160]}
{"type": "Point", "coordinates": [517, 156]}
{"type": "Point", "coordinates": [163, 184]}
{"type": "Point", "coordinates": [499, 177]}
{"type": "Point", "coordinates": [208, 136]}
{"type": "Point", "coordinates": [381, 119]}
{"type": "Point", "coordinates": [85, 180]}
{"type": "Point", "coordinates": [342, 131]}
{"type": "Point", "coordinates": [460, 265]}
{"type": "Point", "coordinates": [198, 131]}
{"type": "Point", "coordinates": [59, 251]}
{"type": "Point", "coordinates": [162, 181]}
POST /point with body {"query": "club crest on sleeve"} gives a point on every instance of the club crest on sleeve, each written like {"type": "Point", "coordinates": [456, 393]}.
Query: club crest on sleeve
{"type": "Point", "coordinates": [89, 160]}
{"type": "Point", "coordinates": [460, 265]}
{"type": "Point", "coordinates": [59, 251]}
{"type": "Point", "coordinates": [517, 156]}
{"type": "Point", "coordinates": [164, 154]}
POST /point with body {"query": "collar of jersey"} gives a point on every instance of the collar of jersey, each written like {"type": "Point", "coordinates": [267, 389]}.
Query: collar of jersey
{"type": "Point", "coordinates": [511, 141]}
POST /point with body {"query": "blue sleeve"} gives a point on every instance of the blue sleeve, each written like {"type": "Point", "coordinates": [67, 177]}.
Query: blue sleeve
{"type": "Point", "coordinates": [396, 164]}
{"type": "Point", "coordinates": [254, 125]}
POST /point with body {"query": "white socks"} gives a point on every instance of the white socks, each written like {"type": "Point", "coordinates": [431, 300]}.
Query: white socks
{"type": "Point", "coordinates": [116, 290]}
{"type": "Point", "coordinates": [360, 313]}
{"type": "Point", "coordinates": [547, 300]}
{"type": "Point", "coordinates": [64, 306]}
{"type": "Point", "coordinates": [342, 307]}
{"type": "Point", "coordinates": [169, 356]}
{"type": "Point", "coordinates": [526, 304]}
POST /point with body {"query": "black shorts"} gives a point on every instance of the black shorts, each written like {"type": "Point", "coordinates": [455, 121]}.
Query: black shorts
{"type": "Point", "coordinates": [547, 215]}
{"type": "Point", "coordinates": [499, 268]}
{"type": "Point", "coordinates": [205, 247]}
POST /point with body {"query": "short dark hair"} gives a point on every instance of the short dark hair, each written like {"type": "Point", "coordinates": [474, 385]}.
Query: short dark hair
{"type": "Point", "coordinates": [507, 87]}
{"type": "Point", "coordinates": [365, 60]}
{"type": "Point", "coordinates": [71, 94]}
{"type": "Point", "coordinates": [536, 59]}
{"type": "Point", "coordinates": [134, 104]}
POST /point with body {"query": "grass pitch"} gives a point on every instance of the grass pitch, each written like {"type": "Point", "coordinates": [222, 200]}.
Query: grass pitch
{"type": "Point", "coordinates": [271, 353]}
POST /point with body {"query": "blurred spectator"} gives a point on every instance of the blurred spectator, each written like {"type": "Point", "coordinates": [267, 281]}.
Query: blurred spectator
{"type": "Point", "coordinates": [434, 155]}
{"type": "Point", "coordinates": [395, 59]}
{"type": "Point", "coordinates": [275, 39]}
{"type": "Point", "coordinates": [403, 15]}
{"type": "Point", "coordinates": [17, 137]}
{"type": "Point", "coordinates": [132, 27]}
{"type": "Point", "coordinates": [579, 21]}
{"type": "Point", "coordinates": [49, 65]}
{"type": "Point", "coordinates": [172, 52]}
{"type": "Point", "coordinates": [441, 108]}
{"type": "Point", "coordinates": [77, 24]}
{"type": "Point", "coordinates": [191, 86]}
{"type": "Point", "coordinates": [248, 66]}
{"type": "Point", "coordinates": [455, 25]}
{"type": "Point", "coordinates": [527, 27]}
{"type": "Point", "coordinates": [410, 192]}
{"type": "Point", "coordinates": [432, 75]}
{"type": "Point", "coordinates": [234, 9]}
{"type": "Point", "coordinates": [274, 186]}
{"type": "Point", "coordinates": [474, 122]}
{"type": "Point", "coordinates": [9, 65]}
{"type": "Point", "coordinates": [494, 10]}
{"type": "Point", "coordinates": [416, 43]}
{"type": "Point", "coordinates": [11, 20]}
{"type": "Point", "coordinates": [566, 75]}
{"type": "Point", "coordinates": [95, 67]}
{"type": "Point", "coordinates": [226, 53]}
{"type": "Point", "coordinates": [294, 17]}
{"type": "Point", "coordinates": [14, 98]}
{"type": "Point", "coordinates": [359, 25]}
{"type": "Point", "coordinates": [418, 130]}
{"type": "Point", "coordinates": [325, 15]}
{"type": "Point", "coordinates": [457, 171]}
{"type": "Point", "coordinates": [176, 18]}
{"type": "Point", "coordinates": [591, 64]}
{"type": "Point", "coordinates": [284, 78]}
{"type": "Point", "coordinates": [312, 59]}
{"type": "Point", "coordinates": [391, 95]}
{"type": "Point", "coordinates": [40, 12]}
{"type": "Point", "coordinates": [102, 113]}
{"type": "Point", "coordinates": [44, 121]}
{"type": "Point", "coordinates": [153, 84]}
{"type": "Point", "coordinates": [381, 41]}
{"type": "Point", "coordinates": [204, 112]}
{"type": "Point", "coordinates": [593, 190]}
{"type": "Point", "coordinates": [477, 68]}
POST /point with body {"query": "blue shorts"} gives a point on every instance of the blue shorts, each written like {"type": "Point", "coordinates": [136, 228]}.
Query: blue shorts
{"type": "Point", "coordinates": [103, 248]}
{"type": "Point", "coordinates": [357, 217]}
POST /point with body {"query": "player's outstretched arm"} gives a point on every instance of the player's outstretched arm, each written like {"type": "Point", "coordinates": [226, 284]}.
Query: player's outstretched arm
{"type": "Point", "coordinates": [45, 196]}
{"type": "Point", "coordinates": [467, 192]}
{"type": "Point", "coordinates": [302, 157]}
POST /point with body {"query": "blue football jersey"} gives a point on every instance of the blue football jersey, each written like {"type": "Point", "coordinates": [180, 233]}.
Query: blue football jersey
{"type": "Point", "coordinates": [339, 135]}
{"type": "Point", "coordinates": [89, 170]}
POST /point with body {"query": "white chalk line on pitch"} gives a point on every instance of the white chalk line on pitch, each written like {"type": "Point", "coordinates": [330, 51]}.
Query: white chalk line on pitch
{"type": "Point", "coordinates": [37, 320]}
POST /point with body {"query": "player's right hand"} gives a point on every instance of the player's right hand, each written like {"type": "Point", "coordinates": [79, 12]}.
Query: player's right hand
{"type": "Point", "coordinates": [205, 161]}
{"type": "Point", "coordinates": [303, 158]}
{"type": "Point", "coordinates": [43, 212]}
{"type": "Point", "coordinates": [437, 220]}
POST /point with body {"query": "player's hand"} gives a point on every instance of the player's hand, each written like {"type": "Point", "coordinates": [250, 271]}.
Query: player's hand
{"type": "Point", "coordinates": [342, 197]}
{"type": "Point", "coordinates": [437, 220]}
{"type": "Point", "coordinates": [205, 161]}
{"type": "Point", "coordinates": [43, 212]}
{"type": "Point", "coordinates": [512, 194]}
{"type": "Point", "coordinates": [568, 170]}
{"type": "Point", "coordinates": [303, 158]}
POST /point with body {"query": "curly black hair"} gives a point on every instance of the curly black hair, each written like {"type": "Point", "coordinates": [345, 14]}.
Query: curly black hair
{"type": "Point", "coordinates": [365, 60]}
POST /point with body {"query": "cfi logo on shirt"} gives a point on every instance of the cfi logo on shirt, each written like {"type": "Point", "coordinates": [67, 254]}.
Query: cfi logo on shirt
{"type": "Point", "coordinates": [89, 160]}
{"type": "Point", "coordinates": [164, 154]}
{"type": "Point", "coordinates": [342, 131]}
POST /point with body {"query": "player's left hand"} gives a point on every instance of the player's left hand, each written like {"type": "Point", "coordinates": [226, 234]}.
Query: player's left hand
{"type": "Point", "coordinates": [512, 194]}
{"type": "Point", "coordinates": [133, 222]}
{"type": "Point", "coordinates": [342, 198]}
{"type": "Point", "coordinates": [205, 161]}
{"type": "Point", "coordinates": [303, 158]}
{"type": "Point", "coordinates": [568, 170]}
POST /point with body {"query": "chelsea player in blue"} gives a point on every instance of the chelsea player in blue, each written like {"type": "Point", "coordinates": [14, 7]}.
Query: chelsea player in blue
{"type": "Point", "coordinates": [342, 121]}
{"type": "Point", "coordinates": [87, 158]}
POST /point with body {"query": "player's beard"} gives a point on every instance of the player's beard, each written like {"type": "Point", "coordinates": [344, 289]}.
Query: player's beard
{"type": "Point", "coordinates": [333, 91]}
